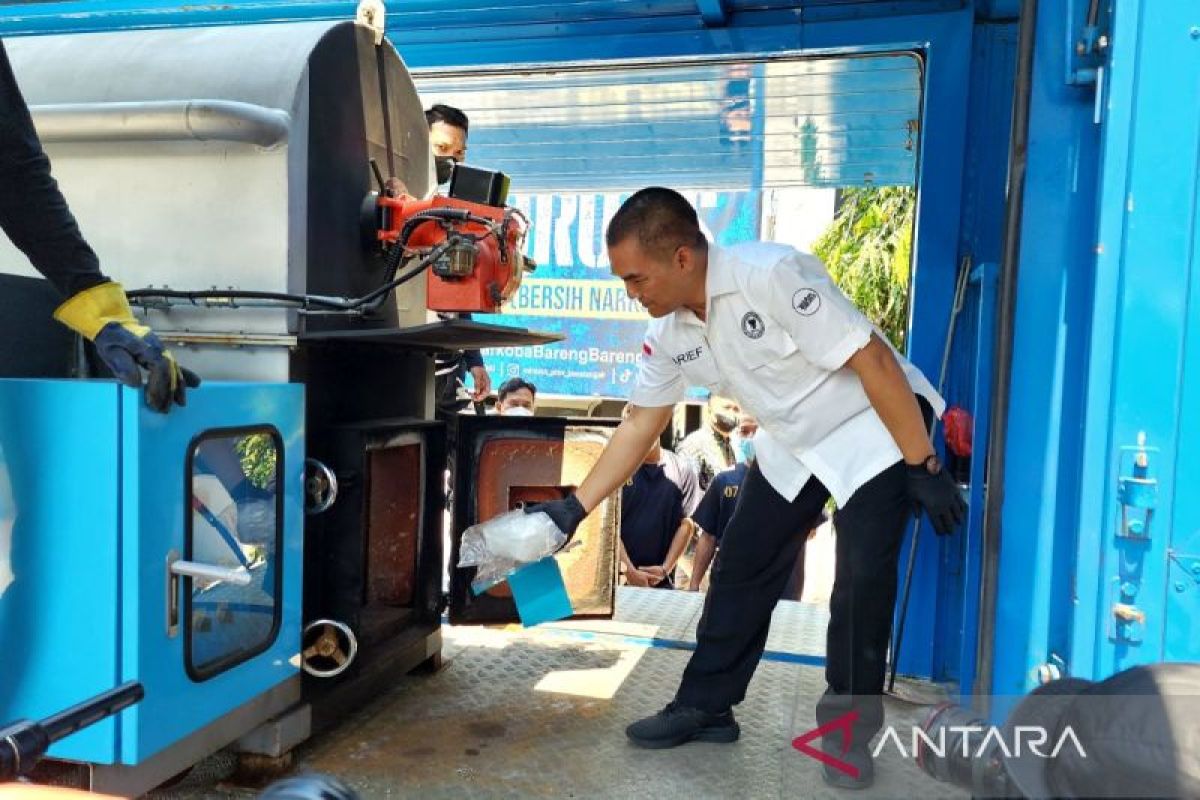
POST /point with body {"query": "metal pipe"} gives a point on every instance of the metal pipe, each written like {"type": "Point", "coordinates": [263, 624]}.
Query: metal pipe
{"type": "Point", "coordinates": [1006, 303]}
{"type": "Point", "coordinates": [163, 120]}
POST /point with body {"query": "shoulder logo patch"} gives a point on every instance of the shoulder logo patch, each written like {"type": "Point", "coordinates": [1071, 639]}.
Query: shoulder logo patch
{"type": "Point", "coordinates": [806, 302]}
{"type": "Point", "coordinates": [752, 325]}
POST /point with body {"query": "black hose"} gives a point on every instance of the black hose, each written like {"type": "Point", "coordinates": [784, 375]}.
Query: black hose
{"type": "Point", "coordinates": [1006, 304]}
{"type": "Point", "coordinates": [232, 295]}
{"type": "Point", "coordinates": [379, 294]}
{"type": "Point", "coordinates": [370, 300]}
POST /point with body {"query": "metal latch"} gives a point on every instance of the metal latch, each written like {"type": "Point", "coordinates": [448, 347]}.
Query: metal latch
{"type": "Point", "coordinates": [1130, 623]}
{"type": "Point", "coordinates": [1137, 492]}
{"type": "Point", "coordinates": [1126, 621]}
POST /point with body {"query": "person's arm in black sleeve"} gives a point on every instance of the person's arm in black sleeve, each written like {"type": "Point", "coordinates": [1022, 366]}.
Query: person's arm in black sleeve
{"type": "Point", "coordinates": [33, 212]}
{"type": "Point", "coordinates": [35, 216]}
{"type": "Point", "coordinates": [481, 382]}
{"type": "Point", "coordinates": [472, 359]}
{"type": "Point", "coordinates": [472, 362]}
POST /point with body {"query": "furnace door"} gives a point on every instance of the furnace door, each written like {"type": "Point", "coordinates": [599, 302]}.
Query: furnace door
{"type": "Point", "coordinates": [501, 462]}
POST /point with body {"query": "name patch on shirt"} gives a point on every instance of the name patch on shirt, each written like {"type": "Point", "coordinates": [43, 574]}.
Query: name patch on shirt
{"type": "Point", "coordinates": [806, 302]}
{"type": "Point", "coordinates": [690, 355]}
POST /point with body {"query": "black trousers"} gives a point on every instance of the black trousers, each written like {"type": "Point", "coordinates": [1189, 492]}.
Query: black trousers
{"type": "Point", "coordinates": [758, 552]}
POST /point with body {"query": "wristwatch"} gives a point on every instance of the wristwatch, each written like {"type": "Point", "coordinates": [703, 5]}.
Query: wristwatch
{"type": "Point", "coordinates": [932, 464]}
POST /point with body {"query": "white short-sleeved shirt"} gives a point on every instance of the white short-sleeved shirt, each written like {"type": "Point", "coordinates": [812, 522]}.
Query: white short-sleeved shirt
{"type": "Point", "coordinates": [778, 335]}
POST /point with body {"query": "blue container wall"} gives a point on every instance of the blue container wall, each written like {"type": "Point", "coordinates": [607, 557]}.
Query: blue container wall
{"type": "Point", "coordinates": [968, 379]}
{"type": "Point", "coordinates": [1144, 375]}
{"type": "Point", "coordinates": [1050, 350]}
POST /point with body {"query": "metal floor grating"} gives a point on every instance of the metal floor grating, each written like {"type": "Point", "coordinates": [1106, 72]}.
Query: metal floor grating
{"type": "Point", "coordinates": [541, 713]}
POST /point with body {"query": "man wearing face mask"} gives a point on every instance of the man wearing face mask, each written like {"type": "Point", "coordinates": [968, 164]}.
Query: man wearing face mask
{"type": "Point", "coordinates": [516, 398]}
{"type": "Point", "coordinates": [747, 427]}
{"type": "Point", "coordinates": [709, 448]}
{"type": "Point", "coordinates": [448, 140]}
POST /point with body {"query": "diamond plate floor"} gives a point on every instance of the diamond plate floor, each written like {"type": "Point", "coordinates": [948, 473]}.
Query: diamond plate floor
{"type": "Point", "coordinates": [796, 628]}
{"type": "Point", "coordinates": [541, 713]}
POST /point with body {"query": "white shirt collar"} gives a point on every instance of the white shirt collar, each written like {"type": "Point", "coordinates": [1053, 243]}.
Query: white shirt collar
{"type": "Point", "coordinates": [719, 280]}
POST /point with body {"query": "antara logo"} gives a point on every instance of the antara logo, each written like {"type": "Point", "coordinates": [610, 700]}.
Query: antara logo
{"type": "Point", "coordinates": [690, 355]}
{"type": "Point", "coordinates": [1023, 739]}
{"type": "Point", "coordinates": [845, 724]}
{"type": "Point", "coordinates": [974, 741]}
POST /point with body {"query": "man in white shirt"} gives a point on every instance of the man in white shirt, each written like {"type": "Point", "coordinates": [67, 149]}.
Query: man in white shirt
{"type": "Point", "coordinates": [840, 413]}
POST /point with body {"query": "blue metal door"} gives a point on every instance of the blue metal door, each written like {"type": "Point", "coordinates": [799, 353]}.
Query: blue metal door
{"type": "Point", "coordinates": [212, 554]}
{"type": "Point", "coordinates": [1181, 637]}
{"type": "Point", "coordinates": [1138, 560]}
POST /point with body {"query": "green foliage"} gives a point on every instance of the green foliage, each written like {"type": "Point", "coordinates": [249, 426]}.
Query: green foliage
{"type": "Point", "coordinates": [257, 452]}
{"type": "Point", "coordinates": [868, 249]}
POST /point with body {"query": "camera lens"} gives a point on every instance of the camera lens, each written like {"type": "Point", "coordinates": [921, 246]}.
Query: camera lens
{"type": "Point", "coordinates": [955, 748]}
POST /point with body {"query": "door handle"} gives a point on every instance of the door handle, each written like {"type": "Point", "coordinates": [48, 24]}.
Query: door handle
{"type": "Point", "coordinates": [238, 576]}
{"type": "Point", "coordinates": [177, 569]}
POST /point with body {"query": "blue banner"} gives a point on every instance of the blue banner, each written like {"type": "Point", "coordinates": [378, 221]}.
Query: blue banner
{"type": "Point", "coordinates": [573, 292]}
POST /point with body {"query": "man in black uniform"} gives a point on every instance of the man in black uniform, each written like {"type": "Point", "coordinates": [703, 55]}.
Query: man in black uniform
{"type": "Point", "coordinates": [656, 503]}
{"type": "Point", "coordinates": [35, 216]}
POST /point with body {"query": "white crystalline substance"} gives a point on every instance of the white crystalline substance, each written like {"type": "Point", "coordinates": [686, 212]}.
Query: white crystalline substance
{"type": "Point", "coordinates": [501, 545]}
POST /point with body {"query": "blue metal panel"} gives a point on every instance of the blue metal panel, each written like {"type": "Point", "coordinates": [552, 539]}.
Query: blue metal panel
{"type": "Point", "coordinates": [58, 484]}
{"type": "Point", "coordinates": [1181, 617]}
{"type": "Point", "coordinates": [984, 281]}
{"type": "Point", "coordinates": [474, 20]}
{"type": "Point", "coordinates": [99, 496]}
{"type": "Point", "coordinates": [968, 383]}
{"type": "Point", "coordinates": [1041, 485]}
{"type": "Point", "coordinates": [997, 9]}
{"type": "Point", "coordinates": [156, 507]}
{"type": "Point", "coordinates": [1143, 371]}
{"type": "Point", "coordinates": [713, 12]}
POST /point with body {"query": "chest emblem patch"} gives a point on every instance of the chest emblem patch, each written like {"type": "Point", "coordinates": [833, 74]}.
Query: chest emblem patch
{"type": "Point", "coordinates": [806, 302]}
{"type": "Point", "coordinates": [752, 325]}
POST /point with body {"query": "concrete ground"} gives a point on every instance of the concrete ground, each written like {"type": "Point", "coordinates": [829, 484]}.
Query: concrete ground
{"type": "Point", "coordinates": [541, 713]}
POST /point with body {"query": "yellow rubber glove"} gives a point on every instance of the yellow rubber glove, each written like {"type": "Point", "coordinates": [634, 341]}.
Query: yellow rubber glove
{"type": "Point", "coordinates": [102, 315]}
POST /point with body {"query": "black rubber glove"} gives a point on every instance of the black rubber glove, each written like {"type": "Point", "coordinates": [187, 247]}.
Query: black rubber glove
{"type": "Point", "coordinates": [566, 513]}
{"type": "Point", "coordinates": [931, 488]}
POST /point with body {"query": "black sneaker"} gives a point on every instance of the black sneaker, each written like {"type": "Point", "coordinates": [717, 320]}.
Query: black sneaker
{"type": "Point", "coordinates": [676, 725]}
{"type": "Point", "coordinates": [858, 758]}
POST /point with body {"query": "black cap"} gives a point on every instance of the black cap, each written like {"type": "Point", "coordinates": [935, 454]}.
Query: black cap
{"type": "Point", "coordinates": [1136, 734]}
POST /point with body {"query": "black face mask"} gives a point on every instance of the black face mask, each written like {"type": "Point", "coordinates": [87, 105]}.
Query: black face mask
{"type": "Point", "coordinates": [444, 166]}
